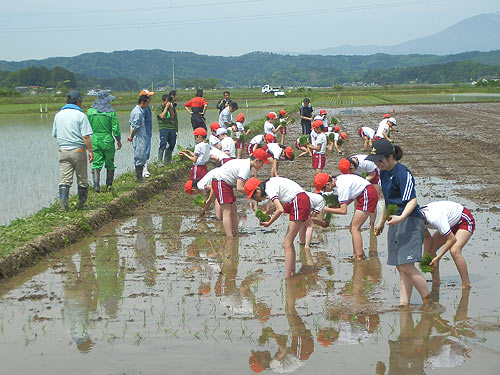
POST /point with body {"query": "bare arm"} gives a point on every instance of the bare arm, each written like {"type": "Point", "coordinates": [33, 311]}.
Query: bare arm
{"type": "Point", "coordinates": [88, 145]}
{"type": "Point", "coordinates": [342, 210]}
{"type": "Point", "coordinates": [277, 213]}
{"type": "Point", "coordinates": [450, 241]}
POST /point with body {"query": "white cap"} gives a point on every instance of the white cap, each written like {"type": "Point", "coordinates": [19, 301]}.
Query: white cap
{"type": "Point", "coordinates": [220, 131]}
{"type": "Point", "coordinates": [393, 120]}
{"type": "Point", "coordinates": [318, 117]}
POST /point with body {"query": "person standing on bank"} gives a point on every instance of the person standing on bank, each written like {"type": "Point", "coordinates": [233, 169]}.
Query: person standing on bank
{"type": "Point", "coordinates": [306, 116]}
{"type": "Point", "coordinates": [148, 120]}
{"type": "Point", "coordinates": [168, 125]}
{"type": "Point", "coordinates": [72, 130]}
{"type": "Point", "coordinates": [224, 102]}
{"type": "Point", "coordinates": [197, 107]}
{"type": "Point", "coordinates": [138, 135]}
{"type": "Point", "coordinates": [406, 229]}
{"type": "Point", "coordinates": [104, 122]}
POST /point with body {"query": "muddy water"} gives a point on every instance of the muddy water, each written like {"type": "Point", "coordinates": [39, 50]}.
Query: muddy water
{"type": "Point", "coordinates": [165, 293]}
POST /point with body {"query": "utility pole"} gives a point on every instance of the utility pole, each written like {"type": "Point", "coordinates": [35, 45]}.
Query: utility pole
{"type": "Point", "coordinates": [173, 72]}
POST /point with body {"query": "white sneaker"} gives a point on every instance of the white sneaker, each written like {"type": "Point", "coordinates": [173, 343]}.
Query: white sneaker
{"type": "Point", "coordinates": [145, 172]}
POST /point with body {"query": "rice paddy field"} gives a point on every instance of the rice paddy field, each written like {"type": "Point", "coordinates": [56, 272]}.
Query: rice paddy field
{"type": "Point", "coordinates": [163, 291]}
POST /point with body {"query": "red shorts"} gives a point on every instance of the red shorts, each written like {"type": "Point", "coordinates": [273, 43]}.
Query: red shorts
{"type": "Point", "coordinates": [299, 207]}
{"type": "Point", "coordinates": [367, 200]}
{"type": "Point", "coordinates": [297, 145]}
{"type": "Point", "coordinates": [318, 161]}
{"type": "Point", "coordinates": [223, 161]}
{"type": "Point", "coordinates": [240, 146]}
{"type": "Point", "coordinates": [466, 222]}
{"type": "Point", "coordinates": [198, 172]}
{"type": "Point", "coordinates": [283, 130]}
{"type": "Point", "coordinates": [376, 138]}
{"type": "Point", "coordinates": [361, 133]}
{"type": "Point", "coordinates": [249, 149]}
{"type": "Point", "coordinates": [223, 192]}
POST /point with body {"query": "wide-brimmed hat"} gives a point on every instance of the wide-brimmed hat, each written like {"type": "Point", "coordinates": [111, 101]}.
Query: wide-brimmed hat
{"type": "Point", "coordinates": [102, 103]}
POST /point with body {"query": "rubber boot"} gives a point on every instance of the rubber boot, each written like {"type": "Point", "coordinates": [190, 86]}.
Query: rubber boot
{"type": "Point", "coordinates": [64, 196]}
{"type": "Point", "coordinates": [110, 175]}
{"type": "Point", "coordinates": [96, 177]}
{"type": "Point", "coordinates": [82, 196]}
{"type": "Point", "coordinates": [160, 157]}
{"type": "Point", "coordinates": [168, 156]}
{"type": "Point", "coordinates": [145, 172]}
{"type": "Point", "coordinates": [138, 173]}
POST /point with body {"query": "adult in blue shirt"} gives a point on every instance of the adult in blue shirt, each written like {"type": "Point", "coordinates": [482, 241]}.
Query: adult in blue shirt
{"type": "Point", "coordinates": [138, 135]}
{"type": "Point", "coordinates": [405, 236]}
{"type": "Point", "coordinates": [148, 119]}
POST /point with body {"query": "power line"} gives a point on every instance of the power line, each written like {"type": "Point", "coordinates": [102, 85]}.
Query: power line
{"type": "Point", "coordinates": [190, 21]}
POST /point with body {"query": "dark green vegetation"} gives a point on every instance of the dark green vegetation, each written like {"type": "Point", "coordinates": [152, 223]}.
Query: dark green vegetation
{"type": "Point", "coordinates": [391, 209]}
{"type": "Point", "coordinates": [60, 78]}
{"type": "Point", "coordinates": [425, 263]}
{"type": "Point", "coordinates": [259, 68]}
{"type": "Point", "coordinates": [199, 200]}
{"type": "Point", "coordinates": [332, 200]}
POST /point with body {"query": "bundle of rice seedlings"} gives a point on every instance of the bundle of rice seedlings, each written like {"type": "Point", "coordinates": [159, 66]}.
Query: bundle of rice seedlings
{"type": "Point", "coordinates": [199, 200]}
{"type": "Point", "coordinates": [340, 141]}
{"type": "Point", "coordinates": [292, 120]}
{"type": "Point", "coordinates": [425, 263]}
{"type": "Point", "coordinates": [331, 137]}
{"type": "Point", "coordinates": [334, 121]}
{"type": "Point", "coordinates": [259, 214]}
{"type": "Point", "coordinates": [332, 200]}
{"type": "Point", "coordinates": [180, 148]}
{"type": "Point", "coordinates": [391, 209]}
{"type": "Point", "coordinates": [246, 128]}
{"type": "Point", "coordinates": [328, 218]}
{"type": "Point", "coordinates": [364, 174]}
{"type": "Point", "coordinates": [229, 132]}
{"type": "Point", "coordinates": [242, 138]}
{"type": "Point", "coordinates": [303, 140]}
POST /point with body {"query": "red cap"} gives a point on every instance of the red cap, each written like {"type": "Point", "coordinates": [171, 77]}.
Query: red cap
{"type": "Point", "coordinates": [343, 135]}
{"type": "Point", "coordinates": [261, 155]}
{"type": "Point", "coordinates": [320, 180]}
{"type": "Point", "coordinates": [240, 117]}
{"type": "Point", "coordinates": [250, 186]}
{"type": "Point", "coordinates": [283, 112]}
{"type": "Point", "coordinates": [317, 124]}
{"type": "Point", "coordinates": [200, 131]}
{"type": "Point", "coordinates": [214, 126]}
{"type": "Point", "coordinates": [344, 166]}
{"type": "Point", "coordinates": [289, 152]}
{"type": "Point", "coordinates": [270, 138]}
{"type": "Point", "coordinates": [386, 115]}
{"type": "Point", "coordinates": [188, 187]}
{"type": "Point", "coordinates": [336, 129]}
{"type": "Point", "coordinates": [322, 112]}
{"type": "Point", "coordinates": [254, 364]}
{"type": "Point", "coordinates": [149, 93]}
{"type": "Point", "coordinates": [271, 115]}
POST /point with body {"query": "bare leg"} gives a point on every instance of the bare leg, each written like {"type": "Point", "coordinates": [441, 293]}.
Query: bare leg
{"type": "Point", "coordinates": [293, 228]}
{"type": "Point", "coordinates": [218, 211]}
{"type": "Point", "coordinates": [410, 277]}
{"type": "Point", "coordinates": [235, 219]}
{"type": "Point", "coordinates": [462, 237]}
{"type": "Point", "coordinates": [437, 240]}
{"type": "Point", "coordinates": [227, 219]}
{"type": "Point", "coordinates": [238, 153]}
{"type": "Point", "coordinates": [355, 228]}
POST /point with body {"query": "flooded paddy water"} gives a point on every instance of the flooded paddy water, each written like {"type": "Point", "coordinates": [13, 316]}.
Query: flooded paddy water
{"type": "Point", "coordinates": [164, 292]}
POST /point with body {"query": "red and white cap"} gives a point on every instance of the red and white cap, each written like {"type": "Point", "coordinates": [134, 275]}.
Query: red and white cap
{"type": "Point", "coordinates": [322, 112]}
{"type": "Point", "coordinates": [271, 115]}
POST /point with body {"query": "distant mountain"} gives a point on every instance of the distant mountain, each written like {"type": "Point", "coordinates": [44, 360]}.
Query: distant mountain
{"type": "Point", "coordinates": [478, 33]}
{"type": "Point", "coordinates": [256, 68]}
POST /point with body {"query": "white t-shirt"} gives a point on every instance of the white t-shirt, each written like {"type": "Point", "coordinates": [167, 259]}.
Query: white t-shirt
{"type": "Point", "coordinates": [213, 141]}
{"type": "Point", "coordinates": [207, 179]}
{"type": "Point", "coordinates": [317, 202]}
{"type": "Point", "coordinates": [349, 187]}
{"type": "Point", "coordinates": [313, 137]}
{"type": "Point", "coordinates": [383, 125]}
{"type": "Point", "coordinates": [240, 128]}
{"type": "Point", "coordinates": [233, 170]}
{"type": "Point", "coordinates": [228, 146]}
{"type": "Point", "coordinates": [225, 116]}
{"type": "Point", "coordinates": [275, 150]}
{"type": "Point", "coordinates": [202, 150]}
{"type": "Point", "coordinates": [365, 166]}
{"type": "Point", "coordinates": [323, 140]}
{"type": "Point", "coordinates": [282, 189]}
{"type": "Point", "coordinates": [257, 140]}
{"type": "Point", "coordinates": [268, 128]}
{"type": "Point", "coordinates": [370, 133]}
{"type": "Point", "coordinates": [218, 154]}
{"type": "Point", "coordinates": [442, 215]}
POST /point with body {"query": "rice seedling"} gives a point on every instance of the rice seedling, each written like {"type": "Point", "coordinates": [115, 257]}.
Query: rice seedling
{"type": "Point", "coordinates": [303, 140]}
{"type": "Point", "coordinates": [424, 265]}
{"type": "Point", "coordinates": [199, 200]}
{"type": "Point", "coordinates": [332, 200]}
{"type": "Point", "coordinates": [391, 209]}
{"type": "Point", "coordinates": [261, 216]}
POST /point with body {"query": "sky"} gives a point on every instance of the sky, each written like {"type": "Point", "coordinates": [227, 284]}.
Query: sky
{"type": "Point", "coordinates": [34, 29]}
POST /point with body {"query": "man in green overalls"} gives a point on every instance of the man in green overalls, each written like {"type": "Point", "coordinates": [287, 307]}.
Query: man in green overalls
{"type": "Point", "coordinates": [104, 122]}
